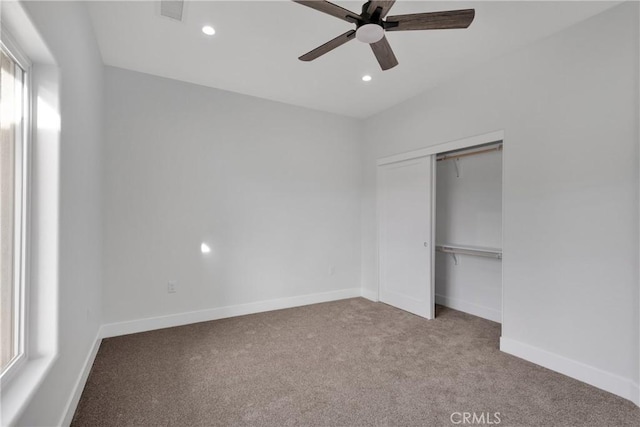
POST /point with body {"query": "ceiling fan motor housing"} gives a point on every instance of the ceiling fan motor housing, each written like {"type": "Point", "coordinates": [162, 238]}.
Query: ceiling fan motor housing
{"type": "Point", "coordinates": [370, 29]}
{"type": "Point", "coordinates": [373, 17]}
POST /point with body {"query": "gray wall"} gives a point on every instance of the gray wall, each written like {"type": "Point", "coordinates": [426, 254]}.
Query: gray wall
{"type": "Point", "coordinates": [66, 28]}
{"type": "Point", "coordinates": [569, 109]}
{"type": "Point", "coordinates": [272, 189]}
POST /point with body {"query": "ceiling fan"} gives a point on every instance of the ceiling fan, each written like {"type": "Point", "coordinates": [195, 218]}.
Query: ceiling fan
{"type": "Point", "coordinates": [371, 26]}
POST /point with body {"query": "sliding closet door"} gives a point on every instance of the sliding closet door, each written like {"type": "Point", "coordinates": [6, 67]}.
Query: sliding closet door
{"type": "Point", "coordinates": [405, 235]}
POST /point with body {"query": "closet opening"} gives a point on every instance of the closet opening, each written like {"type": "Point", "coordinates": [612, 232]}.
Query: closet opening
{"type": "Point", "coordinates": [439, 218]}
{"type": "Point", "coordinates": [468, 230]}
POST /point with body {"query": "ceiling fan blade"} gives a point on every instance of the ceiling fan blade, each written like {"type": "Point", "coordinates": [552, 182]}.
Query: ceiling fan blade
{"type": "Point", "coordinates": [431, 21]}
{"type": "Point", "coordinates": [329, 46]}
{"type": "Point", "coordinates": [384, 54]}
{"type": "Point", "coordinates": [384, 4]}
{"type": "Point", "coordinates": [330, 9]}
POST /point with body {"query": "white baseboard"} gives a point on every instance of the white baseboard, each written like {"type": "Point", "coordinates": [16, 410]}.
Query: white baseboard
{"type": "Point", "coordinates": [635, 393]}
{"type": "Point", "coordinates": [160, 322]}
{"type": "Point", "coordinates": [72, 403]}
{"type": "Point", "coordinates": [370, 295]}
{"type": "Point", "coordinates": [604, 380]}
{"type": "Point", "coordinates": [467, 307]}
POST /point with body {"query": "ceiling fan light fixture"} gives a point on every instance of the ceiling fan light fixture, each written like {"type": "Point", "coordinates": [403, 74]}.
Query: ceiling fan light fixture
{"type": "Point", "coordinates": [370, 33]}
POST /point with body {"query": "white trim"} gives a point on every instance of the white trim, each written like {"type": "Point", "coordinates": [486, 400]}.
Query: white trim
{"type": "Point", "coordinates": [443, 147]}
{"type": "Point", "coordinates": [41, 234]}
{"type": "Point", "coordinates": [370, 295]}
{"type": "Point", "coordinates": [596, 377]}
{"type": "Point", "coordinates": [160, 322]}
{"type": "Point", "coordinates": [14, 50]}
{"type": "Point", "coordinates": [635, 393]}
{"type": "Point", "coordinates": [17, 21]}
{"type": "Point", "coordinates": [471, 308]}
{"type": "Point", "coordinates": [74, 399]}
{"type": "Point", "coordinates": [18, 393]}
{"type": "Point", "coordinates": [21, 212]}
{"type": "Point", "coordinates": [502, 227]}
{"type": "Point", "coordinates": [432, 236]}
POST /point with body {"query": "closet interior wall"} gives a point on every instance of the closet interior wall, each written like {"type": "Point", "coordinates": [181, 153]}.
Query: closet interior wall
{"type": "Point", "coordinates": [469, 215]}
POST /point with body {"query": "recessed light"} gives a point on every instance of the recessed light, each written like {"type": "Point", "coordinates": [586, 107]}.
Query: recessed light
{"type": "Point", "coordinates": [205, 249]}
{"type": "Point", "coordinates": [366, 78]}
{"type": "Point", "coordinates": [208, 30]}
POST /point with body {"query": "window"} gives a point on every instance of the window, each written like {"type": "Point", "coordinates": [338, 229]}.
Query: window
{"type": "Point", "coordinates": [13, 148]}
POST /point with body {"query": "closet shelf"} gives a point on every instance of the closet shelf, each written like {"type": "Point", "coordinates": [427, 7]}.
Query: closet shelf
{"type": "Point", "coordinates": [470, 250]}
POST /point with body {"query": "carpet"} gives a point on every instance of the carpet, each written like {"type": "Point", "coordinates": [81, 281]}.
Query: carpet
{"type": "Point", "coordinates": [344, 363]}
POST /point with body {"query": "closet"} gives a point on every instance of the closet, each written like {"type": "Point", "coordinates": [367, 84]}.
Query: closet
{"type": "Point", "coordinates": [440, 227]}
{"type": "Point", "coordinates": [468, 261]}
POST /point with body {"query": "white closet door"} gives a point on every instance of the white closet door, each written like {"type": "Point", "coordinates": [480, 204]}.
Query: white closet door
{"type": "Point", "coordinates": [405, 233]}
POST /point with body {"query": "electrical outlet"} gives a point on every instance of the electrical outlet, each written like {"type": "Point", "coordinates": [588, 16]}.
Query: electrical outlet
{"type": "Point", "coordinates": [332, 270]}
{"type": "Point", "coordinates": [172, 286]}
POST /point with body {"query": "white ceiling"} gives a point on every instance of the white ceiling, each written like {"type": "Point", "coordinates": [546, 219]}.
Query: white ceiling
{"type": "Point", "coordinates": [257, 44]}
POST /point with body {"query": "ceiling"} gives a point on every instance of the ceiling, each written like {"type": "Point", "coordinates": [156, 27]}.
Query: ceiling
{"type": "Point", "coordinates": [257, 43]}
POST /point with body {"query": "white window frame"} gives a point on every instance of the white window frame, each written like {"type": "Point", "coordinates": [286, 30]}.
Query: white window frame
{"type": "Point", "coordinates": [22, 213]}
{"type": "Point", "coordinates": [41, 260]}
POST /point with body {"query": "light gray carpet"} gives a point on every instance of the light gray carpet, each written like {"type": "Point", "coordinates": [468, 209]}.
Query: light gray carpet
{"type": "Point", "coordinates": [344, 363]}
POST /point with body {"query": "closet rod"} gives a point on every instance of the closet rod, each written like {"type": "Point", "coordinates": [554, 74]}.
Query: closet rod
{"type": "Point", "coordinates": [471, 153]}
{"type": "Point", "coordinates": [470, 250]}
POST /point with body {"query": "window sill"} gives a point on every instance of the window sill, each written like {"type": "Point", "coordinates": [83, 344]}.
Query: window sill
{"type": "Point", "coordinates": [19, 391]}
